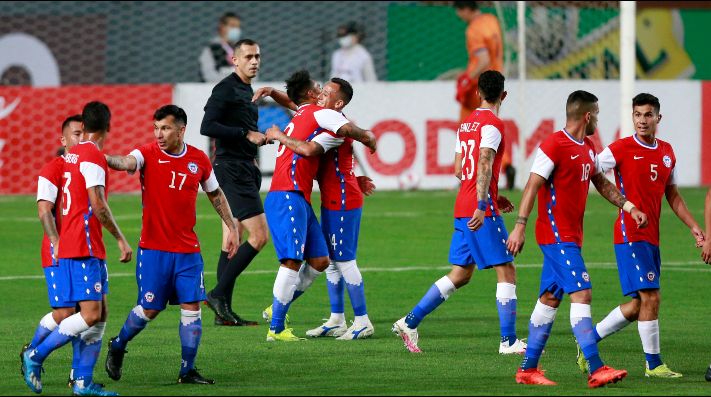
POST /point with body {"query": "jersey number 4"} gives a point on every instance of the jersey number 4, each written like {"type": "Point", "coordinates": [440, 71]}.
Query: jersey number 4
{"type": "Point", "coordinates": [468, 165]}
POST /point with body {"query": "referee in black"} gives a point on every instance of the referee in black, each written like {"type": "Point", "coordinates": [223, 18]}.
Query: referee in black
{"type": "Point", "coordinates": [231, 118]}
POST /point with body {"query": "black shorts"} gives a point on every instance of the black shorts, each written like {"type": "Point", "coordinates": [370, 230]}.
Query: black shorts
{"type": "Point", "coordinates": [240, 180]}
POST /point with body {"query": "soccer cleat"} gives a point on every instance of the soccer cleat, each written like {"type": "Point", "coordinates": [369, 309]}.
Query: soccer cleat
{"type": "Point", "coordinates": [92, 389]}
{"type": "Point", "coordinates": [22, 353]}
{"type": "Point", "coordinates": [287, 335]}
{"type": "Point", "coordinates": [267, 316]}
{"type": "Point", "coordinates": [518, 347]}
{"type": "Point", "coordinates": [358, 331]}
{"type": "Point", "coordinates": [661, 371]}
{"type": "Point", "coordinates": [533, 376]}
{"type": "Point", "coordinates": [194, 377]}
{"type": "Point", "coordinates": [114, 360]}
{"type": "Point", "coordinates": [605, 375]}
{"type": "Point", "coordinates": [240, 322]}
{"type": "Point", "coordinates": [582, 362]}
{"type": "Point", "coordinates": [708, 374]}
{"type": "Point", "coordinates": [71, 382]}
{"type": "Point", "coordinates": [220, 306]}
{"type": "Point", "coordinates": [327, 329]}
{"type": "Point", "coordinates": [409, 336]}
{"type": "Point", "coordinates": [32, 373]}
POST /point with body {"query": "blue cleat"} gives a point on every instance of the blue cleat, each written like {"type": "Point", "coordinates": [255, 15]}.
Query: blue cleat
{"type": "Point", "coordinates": [91, 390]}
{"type": "Point", "coordinates": [32, 373]}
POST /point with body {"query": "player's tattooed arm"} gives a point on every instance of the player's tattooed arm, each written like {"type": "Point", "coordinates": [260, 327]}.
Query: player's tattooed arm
{"type": "Point", "coordinates": [483, 179]}
{"type": "Point", "coordinates": [302, 148]}
{"type": "Point", "coordinates": [122, 163]}
{"type": "Point", "coordinates": [45, 210]}
{"type": "Point", "coordinates": [365, 137]}
{"type": "Point", "coordinates": [222, 207]}
{"type": "Point", "coordinates": [100, 207]}
{"type": "Point", "coordinates": [608, 190]}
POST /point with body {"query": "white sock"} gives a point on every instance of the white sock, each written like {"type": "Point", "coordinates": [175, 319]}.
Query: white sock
{"type": "Point", "coordinates": [337, 318]}
{"type": "Point", "coordinates": [579, 311]}
{"type": "Point", "coordinates": [48, 322]}
{"type": "Point", "coordinates": [446, 287]}
{"type": "Point", "coordinates": [614, 322]}
{"type": "Point", "coordinates": [350, 272]}
{"type": "Point", "coordinates": [93, 334]}
{"type": "Point", "coordinates": [138, 311]}
{"type": "Point", "coordinates": [333, 275]}
{"type": "Point", "coordinates": [505, 292]}
{"type": "Point", "coordinates": [543, 314]}
{"type": "Point", "coordinates": [307, 275]}
{"type": "Point", "coordinates": [362, 320]}
{"type": "Point", "coordinates": [649, 333]}
{"type": "Point", "coordinates": [73, 325]}
{"type": "Point", "coordinates": [285, 284]}
{"type": "Point", "coordinates": [188, 317]}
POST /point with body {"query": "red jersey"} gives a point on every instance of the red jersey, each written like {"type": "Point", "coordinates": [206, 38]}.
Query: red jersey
{"type": "Point", "coordinates": [337, 181]}
{"type": "Point", "coordinates": [84, 168]}
{"type": "Point", "coordinates": [169, 185]}
{"type": "Point", "coordinates": [296, 173]}
{"type": "Point", "coordinates": [48, 184]}
{"type": "Point", "coordinates": [642, 173]}
{"type": "Point", "coordinates": [482, 129]}
{"type": "Point", "coordinates": [567, 166]}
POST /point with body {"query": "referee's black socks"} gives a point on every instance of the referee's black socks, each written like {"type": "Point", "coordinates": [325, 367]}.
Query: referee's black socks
{"type": "Point", "coordinates": [232, 269]}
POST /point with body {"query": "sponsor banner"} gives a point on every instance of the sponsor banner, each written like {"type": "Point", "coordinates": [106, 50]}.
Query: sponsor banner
{"type": "Point", "coordinates": [416, 124]}
{"type": "Point", "coordinates": [31, 120]}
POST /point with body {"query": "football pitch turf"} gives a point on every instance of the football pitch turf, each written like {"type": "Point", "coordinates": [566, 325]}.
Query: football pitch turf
{"type": "Point", "coordinates": [404, 243]}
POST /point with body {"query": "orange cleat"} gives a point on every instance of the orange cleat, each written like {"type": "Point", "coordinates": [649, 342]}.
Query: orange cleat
{"type": "Point", "coordinates": [533, 376]}
{"type": "Point", "coordinates": [605, 375]}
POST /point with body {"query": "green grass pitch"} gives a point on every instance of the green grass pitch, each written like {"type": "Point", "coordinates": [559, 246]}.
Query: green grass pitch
{"type": "Point", "coordinates": [404, 244]}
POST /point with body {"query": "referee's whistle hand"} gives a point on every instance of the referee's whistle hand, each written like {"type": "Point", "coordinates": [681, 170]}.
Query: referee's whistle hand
{"type": "Point", "coordinates": [256, 138]}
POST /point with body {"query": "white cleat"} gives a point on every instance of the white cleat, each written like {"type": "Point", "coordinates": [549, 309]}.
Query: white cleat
{"type": "Point", "coordinates": [518, 347]}
{"type": "Point", "coordinates": [409, 336]}
{"type": "Point", "coordinates": [328, 329]}
{"type": "Point", "coordinates": [358, 331]}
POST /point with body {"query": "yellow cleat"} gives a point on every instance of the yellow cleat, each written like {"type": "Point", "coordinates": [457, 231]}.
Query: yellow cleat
{"type": "Point", "coordinates": [661, 371]}
{"type": "Point", "coordinates": [287, 335]}
{"type": "Point", "coordinates": [267, 316]}
{"type": "Point", "coordinates": [582, 362]}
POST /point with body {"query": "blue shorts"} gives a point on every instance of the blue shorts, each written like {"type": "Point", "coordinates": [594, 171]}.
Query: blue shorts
{"type": "Point", "coordinates": [486, 247]}
{"type": "Point", "coordinates": [564, 270]}
{"type": "Point", "coordinates": [54, 287]}
{"type": "Point", "coordinates": [82, 279]}
{"type": "Point", "coordinates": [168, 277]}
{"type": "Point", "coordinates": [295, 231]}
{"type": "Point", "coordinates": [639, 266]}
{"type": "Point", "coordinates": [341, 229]}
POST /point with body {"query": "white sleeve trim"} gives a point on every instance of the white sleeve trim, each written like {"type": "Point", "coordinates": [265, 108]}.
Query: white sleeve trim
{"type": "Point", "coordinates": [458, 147]}
{"type": "Point", "coordinates": [46, 190]}
{"type": "Point", "coordinates": [330, 119]}
{"type": "Point", "coordinates": [327, 141]}
{"type": "Point", "coordinates": [140, 160]}
{"type": "Point", "coordinates": [93, 174]}
{"type": "Point", "coordinates": [672, 177]}
{"type": "Point", "coordinates": [542, 164]}
{"type": "Point", "coordinates": [606, 160]}
{"type": "Point", "coordinates": [211, 184]}
{"type": "Point", "coordinates": [490, 137]}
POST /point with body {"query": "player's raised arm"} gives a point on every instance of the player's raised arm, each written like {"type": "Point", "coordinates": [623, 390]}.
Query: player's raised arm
{"type": "Point", "coordinates": [222, 207]}
{"type": "Point", "coordinates": [97, 199]}
{"type": "Point", "coordinates": [278, 96]}
{"type": "Point", "coordinates": [517, 238]}
{"type": "Point", "coordinates": [677, 204]}
{"type": "Point", "coordinates": [122, 163]}
{"type": "Point", "coordinates": [610, 192]}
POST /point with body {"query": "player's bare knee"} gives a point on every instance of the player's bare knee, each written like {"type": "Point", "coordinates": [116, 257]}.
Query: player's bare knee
{"type": "Point", "coordinates": [549, 299]}
{"type": "Point", "coordinates": [460, 275]}
{"type": "Point", "coordinates": [320, 264]}
{"type": "Point", "coordinates": [150, 313]}
{"type": "Point", "coordinates": [291, 264]}
{"type": "Point", "coordinates": [584, 297]}
{"type": "Point", "coordinates": [258, 240]}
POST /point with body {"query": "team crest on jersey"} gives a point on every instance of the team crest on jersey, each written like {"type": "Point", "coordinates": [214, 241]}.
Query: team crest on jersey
{"type": "Point", "coordinates": [149, 296]}
{"type": "Point", "coordinates": [586, 277]}
{"type": "Point", "coordinates": [192, 167]}
{"type": "Point", "coordinates": [667, 161]}
{"type": "Point", "coordinates": [650, 276]}
{"type": "Point", "coordinates": [97, 287]}
{"type": "Point", "coordinates": [592, 155]}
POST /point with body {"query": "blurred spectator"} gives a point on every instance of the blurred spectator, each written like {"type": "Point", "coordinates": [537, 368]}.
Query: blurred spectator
{"type": "Point", "coordinates": [216, 58]}
{"type": "Point", "coordinates": [352, 62]}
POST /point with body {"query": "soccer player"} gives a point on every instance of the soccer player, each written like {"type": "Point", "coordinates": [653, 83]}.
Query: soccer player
{"type": "Point", "coordinates": [169, 266]}
{"type": "Point", "coordinates": [479, 238]}
{"type": "Point", "coordinates": [644, 168]}
{"type": "Point", "coordinates": [564, 166]}
{"type": "Point", "coordinates": [49, 184]}
{"type": "Point", "coordinates": [82, 267]}
{"type": "Point", "coordinates": [341, 210]}
{"type": "Point", "coordinates": [292, 222]}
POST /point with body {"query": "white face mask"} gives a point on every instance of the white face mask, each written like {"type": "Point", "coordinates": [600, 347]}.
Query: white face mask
{"type": "Point", "coordinates": [233, 34]}
{"type": "Point", "coordinates": [346, 41]}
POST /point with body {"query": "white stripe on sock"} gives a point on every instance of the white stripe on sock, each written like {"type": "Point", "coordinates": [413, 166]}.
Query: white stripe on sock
{"type": "Point", "coordinates": [505, 292]}
{"type": "Point", "coordinates": [188, 317]}
{"type": "Point", "coordinates": [614, 322]}
{"type": "Point", "coordinates": [48, 322]}
{"type": "Point", "coordinates": [350, 272]}
{"type": "Point", "coordinates": [446, 287]}
{"type": "Point", "coordinates": [649, 333]}
{"type": "Point", "coordinates": [543, 314]}
{"type": "Point", "coordinates": [579, 311]}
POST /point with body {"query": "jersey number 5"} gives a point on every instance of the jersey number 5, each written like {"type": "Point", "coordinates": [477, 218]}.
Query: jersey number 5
{"type": "Point", "coordinates": [468, 165]}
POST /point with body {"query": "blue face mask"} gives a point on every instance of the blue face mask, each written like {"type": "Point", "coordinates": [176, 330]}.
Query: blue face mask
{"type": "Point", "coordinates": [233, 34]}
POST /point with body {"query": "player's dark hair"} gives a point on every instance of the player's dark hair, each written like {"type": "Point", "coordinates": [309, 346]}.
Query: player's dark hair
{"type": "Point", "coordinates": [345, 89]}
{"type": "Point", "coordinates": [491, 85]}
{"type": "Point", "coordinates": [96, 117]}
{"type": "Point", "coordinates": [646, 99]}
{"type": "Point", "coordinates": [76, 117]}
{"type": "Point", "coordinates": [472, 5]}
{"type": "Point", "coordinates": [298, 85]}
{"type": "Point", "coordinates": [228, 15]}
{"type": "Point", "coordinates": [171, 110]}
{"type": "Point", "coordinates": [239, 44]}
{"type": "Point", "coordinates": [579, 102]}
